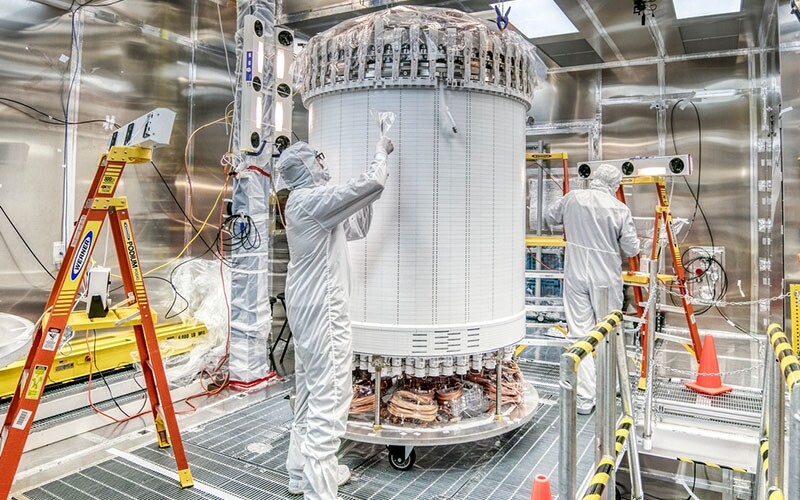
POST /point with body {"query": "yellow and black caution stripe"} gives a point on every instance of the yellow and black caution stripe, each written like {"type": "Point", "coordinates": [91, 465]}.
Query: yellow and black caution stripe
{"type": "Point", "coordinates": [584, 346]}
{"type": "Point", "coordinates": [600, 479]}
{"type": "Point", "coordinates": [624, 429]}
{"type": "Point", "coordinates": [764, 456]}
{"type": "Point", "coordinates": [775, 494]}
{"type": "Point", "coordinates": [785, 355]}
{"type": "Point", "coordinates": [712, 465]}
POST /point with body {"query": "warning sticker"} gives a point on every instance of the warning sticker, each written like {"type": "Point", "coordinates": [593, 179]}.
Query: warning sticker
{"type": "Point", "coordinates": [22, 419]}
{"type": "Point", "coordinates": [51, 339]}
{"type": "Point", "coordinates": [78, 230]}
{"type": "Point", "coordinates": [37, 382]}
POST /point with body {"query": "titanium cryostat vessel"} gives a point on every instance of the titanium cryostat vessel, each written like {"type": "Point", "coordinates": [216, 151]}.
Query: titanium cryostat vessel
{"type": "Point", "coordinates": [438, 286]}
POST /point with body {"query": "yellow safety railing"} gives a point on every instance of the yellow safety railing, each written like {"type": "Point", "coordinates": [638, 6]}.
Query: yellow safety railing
{"type": "Point", "coordinates": [781, 372]}
{"type": "Point", "coordinates": [612, 435]}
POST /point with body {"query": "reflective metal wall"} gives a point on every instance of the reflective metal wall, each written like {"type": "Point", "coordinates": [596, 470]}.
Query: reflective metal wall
{"type": "Point", "coordinates": [135, 55]}
{"type": "Point", "coordinates": [639, 111]}
{"type": "Point", "coordinates": [789, 27]}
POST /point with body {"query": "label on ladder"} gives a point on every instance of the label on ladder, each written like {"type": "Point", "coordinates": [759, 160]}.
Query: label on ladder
{"type": "Point", "coordinates": [78, 231]}
{"type": "Point", "coordinates": [22, 419]}
{"type": "Point", "coordinates": [51, 339]}
{"type": "Point", "coordinates": [37, 382]}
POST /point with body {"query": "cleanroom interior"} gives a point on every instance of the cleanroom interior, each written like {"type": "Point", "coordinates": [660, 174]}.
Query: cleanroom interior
{"type": "Point", "coordinates": [494, 119]}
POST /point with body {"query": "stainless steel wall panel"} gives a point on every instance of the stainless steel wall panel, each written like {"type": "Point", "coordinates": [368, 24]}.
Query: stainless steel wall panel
{"type": "Point", "coordinates": [630, 81]}
{"type": "Point", "coordinates": [629, 130]}
{"type": "Point", "coordinates": [128, 68]}
{"type": "Point", "coordinates": [707, 74]}
{"type": "Point", "coordinates": [565, 97]}
{"type": "Point", "coordinates": [790, 141]}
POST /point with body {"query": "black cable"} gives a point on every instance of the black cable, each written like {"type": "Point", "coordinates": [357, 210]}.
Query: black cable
{"type": "Point", "coordinates": [108, 387]}
{"type": "Point", "coordinates": [694, 480]}
{"type": "Point", "coordinates": [176, 295]}
{"type": "Point", "coordinates": [186, 216]}
{"type": "Point", "coordinates": [53, 119]}
{"type": "Point", "coordinates": [26, 243]}
{"type": "Point", "coordinates": [699, 163]}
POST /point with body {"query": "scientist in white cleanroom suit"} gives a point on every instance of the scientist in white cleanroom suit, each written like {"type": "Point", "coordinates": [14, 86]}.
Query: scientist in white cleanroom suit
{"type": "Point", "coordinates": [320, 218]}
{"type": "Point", "coordinates": [598, 229]}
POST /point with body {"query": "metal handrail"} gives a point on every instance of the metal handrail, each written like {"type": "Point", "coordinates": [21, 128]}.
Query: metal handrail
{"type": "Point", "coordinates": [782, 370]}
{"type": "Point", "coordinates": [612, 436]}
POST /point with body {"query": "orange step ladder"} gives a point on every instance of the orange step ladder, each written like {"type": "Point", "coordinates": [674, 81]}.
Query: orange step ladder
{"type": "Point", "coordinates": [663, 215]}
{"type": "Point", "coordinates": [100, 203]}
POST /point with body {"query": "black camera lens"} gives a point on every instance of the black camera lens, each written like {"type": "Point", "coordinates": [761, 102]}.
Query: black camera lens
{"type": "Point", "coordinates": [676, 165]}
{"type": "Point", "coordinates": [627, 168]}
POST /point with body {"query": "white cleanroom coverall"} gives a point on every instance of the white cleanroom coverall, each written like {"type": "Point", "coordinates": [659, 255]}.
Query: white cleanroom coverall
{"type": "Point", "coordinates": [598, 228]}
{"type": "Point", "coordinates": [320, 218]}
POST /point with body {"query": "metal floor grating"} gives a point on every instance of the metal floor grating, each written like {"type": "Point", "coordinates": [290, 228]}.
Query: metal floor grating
{"type": "Point", "coordinates": [243, 454]}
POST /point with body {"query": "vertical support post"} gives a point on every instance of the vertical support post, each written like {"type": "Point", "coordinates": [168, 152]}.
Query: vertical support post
{"type": "Point", "coordinates": [761, 479]}
{"type": "Point", "coordinates": [568, 450]}
{"type": "Point", "coordinates": [70, 165]}
{"type": "Point", "coordinates": [498, 396]}
{"type": "Point", "coordinates": [377, 362]}
{"type": "Point", "coordinates": [647, 440]}
{"type": "Point", "coordinates": [539, 222]}
{"type": "Point", "coordinates": [608, 396]}
{"type": "Point", "coordinates": [601, 383]}
{"type": "Point", "coordinates": [627, 409]}
{"type": "Point", "coordinates": [793, 488]}
{"type": "Point", "coordinates": [775, 429]}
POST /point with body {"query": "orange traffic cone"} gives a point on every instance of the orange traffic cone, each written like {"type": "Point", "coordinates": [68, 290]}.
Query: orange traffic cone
{"type": "Point", "coordinates": [708, 379]}
{"type": "Point", "coordinates": [541, 488]}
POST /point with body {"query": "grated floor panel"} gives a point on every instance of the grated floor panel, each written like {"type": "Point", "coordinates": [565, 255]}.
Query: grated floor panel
{"type": "Point", "coordinates": [244, 453]}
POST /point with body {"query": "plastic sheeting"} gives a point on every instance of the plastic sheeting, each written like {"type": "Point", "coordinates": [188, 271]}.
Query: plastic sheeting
{"type": "Point", "coordinates": [200, 283]}
{"type": "Point", "coordinates": [15, 341]}
{"type": "Point", "coordinates": [251, 318]}
{"type": "Point", "coordinates": [250, 314]}
{"type": "Point", "coordinates": [419, 44]}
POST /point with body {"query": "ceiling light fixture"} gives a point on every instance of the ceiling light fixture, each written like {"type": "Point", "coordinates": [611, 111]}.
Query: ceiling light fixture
{"type": "Point", "coordinates": [685, 9]}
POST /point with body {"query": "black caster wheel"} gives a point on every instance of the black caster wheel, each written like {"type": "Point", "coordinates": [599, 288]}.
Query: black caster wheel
{"type": "Point", "coordinates": [398, 459]}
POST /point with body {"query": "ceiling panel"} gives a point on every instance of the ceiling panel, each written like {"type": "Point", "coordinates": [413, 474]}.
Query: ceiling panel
{"type": "Point", "coordinates": [609, 31]}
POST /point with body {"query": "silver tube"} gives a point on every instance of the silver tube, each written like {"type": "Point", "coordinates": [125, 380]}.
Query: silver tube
{"type": "Point", "coordinates": [498, 395]}
{"type": "Point", "coordinates": [568, 451]}
{"type": "Point", "coordinates": [627, 409]}
{"type": "Point", "coordinates": [378, 364]}
{"type": "Point", "coordinates": [601, 383]}
{"type": "Point", "coordinates": [769, 359]}
{"type": "Point", "coordinates": [776, 428]}
{"type": "Point", "coordinates": [793, 487]}
{"type": "Point", "coordinates": [647, 440]}
{"type": "Point", "coordinates": [608, 395]}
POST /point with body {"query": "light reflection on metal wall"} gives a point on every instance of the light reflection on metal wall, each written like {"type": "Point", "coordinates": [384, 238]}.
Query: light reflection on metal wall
{"type": "Point", "coordinates": [136, 56]}
{"type": "Point", "coordinates": [790, 142]}
{"type": "Point", "coordinates": [629, 128]}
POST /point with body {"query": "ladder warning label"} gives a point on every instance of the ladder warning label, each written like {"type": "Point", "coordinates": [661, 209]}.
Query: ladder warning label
{"type": "Point", "coordinates": [37, 382]}
{"type": "Point", "coordinates": [51, 339]}
{"type": "Point", "coordinates": [22, 419]}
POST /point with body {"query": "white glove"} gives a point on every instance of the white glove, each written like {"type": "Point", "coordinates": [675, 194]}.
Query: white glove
{"type": "Point", "coordinates": [384, 146]}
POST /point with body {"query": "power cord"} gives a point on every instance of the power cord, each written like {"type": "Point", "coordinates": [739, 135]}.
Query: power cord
{"type": "Point", "coordinates": [26, 243]}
